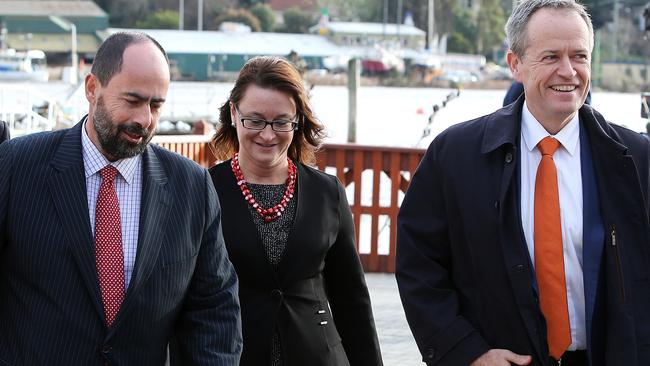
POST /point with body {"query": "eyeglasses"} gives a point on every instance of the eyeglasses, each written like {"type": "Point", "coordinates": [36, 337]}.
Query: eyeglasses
{"type": "Point", "coordinates": [279, 125]}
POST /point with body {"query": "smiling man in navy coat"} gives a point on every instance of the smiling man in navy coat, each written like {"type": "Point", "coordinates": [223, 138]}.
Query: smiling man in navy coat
{"type": "Point", "coordinates": [473, 251]}
{"type": "Point", "coordinates": [111, 247]}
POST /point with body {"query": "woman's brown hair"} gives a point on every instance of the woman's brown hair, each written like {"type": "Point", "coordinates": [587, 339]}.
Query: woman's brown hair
{"type": "Point", "coordinates": [275, 73]}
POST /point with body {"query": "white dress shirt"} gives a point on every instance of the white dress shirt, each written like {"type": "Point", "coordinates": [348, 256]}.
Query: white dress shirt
{"type": "Point", "coordinates": [567, 162]}
{"type": "Point", "coordinates": [128, 185]}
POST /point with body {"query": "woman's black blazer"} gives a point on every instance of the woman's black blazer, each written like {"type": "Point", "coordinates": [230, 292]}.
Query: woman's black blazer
{"type": "Point", "coordinates": [318, 298]}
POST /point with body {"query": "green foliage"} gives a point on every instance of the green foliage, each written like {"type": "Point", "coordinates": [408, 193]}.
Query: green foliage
{"type": "Point", "coordinates": [601, 11]}
{"type": "Point", "coordinates": [337, 9]}
{"type": "Point", "coordinates": [213, 9]}
{"type": "Point", "coordinates": [239, 16]}
{"type": "Point", "coordinates": [249, 3]}
{"type": "Point", "coordinates": [445, 16]}
{"type": "Point", "coordinates": [264, 14]}
{"type": "Point", "coordinates": [369, 11]}
{"type": "Point", "coordinates": [297, 21]}
{"type": "Point", "coordinates": [164, 19]}
{"type": "Point", "coordinates": [373, 11]}
{"type": "Point", "coordinates": [463, 36]}
{"type": "Point", "coordinates": [457, 43]}
{"type": "Point", "coordinates": [104, 4]}
{"type": "Point", "coordinates": [125, 13]}
{"type": "Point", "coordinates": [352, 10]}
{"type": "Point", "coordinates": [489, 25]}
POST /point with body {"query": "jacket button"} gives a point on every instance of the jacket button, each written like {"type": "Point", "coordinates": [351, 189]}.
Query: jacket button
{"type": "Point", "coordinates": [431, 353]}
{"type": "Point", "coordinates": [276, 294]}
{"type": "Point", "coordinates": [509, 158]}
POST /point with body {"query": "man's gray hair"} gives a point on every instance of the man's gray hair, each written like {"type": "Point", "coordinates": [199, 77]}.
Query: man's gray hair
{"type": "Point", "coordinates": [516, 27]}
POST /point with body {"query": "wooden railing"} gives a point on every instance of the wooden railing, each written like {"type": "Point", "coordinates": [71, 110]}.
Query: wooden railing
{"type": "Point", "coordinates": [375, 178]}
{"type": "Point", "coordinates": [195, 147]}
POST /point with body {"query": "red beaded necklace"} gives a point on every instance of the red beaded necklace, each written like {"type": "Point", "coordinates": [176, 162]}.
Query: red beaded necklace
{"type": "Point", "coordinates": [271, 213]}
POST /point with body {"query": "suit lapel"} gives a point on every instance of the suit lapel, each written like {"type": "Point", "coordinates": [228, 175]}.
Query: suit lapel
{"type": "Point", "coordinates": [614, 168]}
{"type": "Point", "coordinates": [155, 204]}
{"type": "Point", "coordinates": [67, 186]}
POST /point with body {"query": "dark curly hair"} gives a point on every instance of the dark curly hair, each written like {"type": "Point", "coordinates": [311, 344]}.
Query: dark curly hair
{"type": "Point", "coordinates": [275, 73]}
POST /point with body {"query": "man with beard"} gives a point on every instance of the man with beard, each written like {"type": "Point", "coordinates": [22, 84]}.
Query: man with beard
{"type": "Point", "coordinates": [110, 247]}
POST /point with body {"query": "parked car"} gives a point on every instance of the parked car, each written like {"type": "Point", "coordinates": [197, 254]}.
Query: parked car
{"type": "Point", "coordinates": [459, 76]}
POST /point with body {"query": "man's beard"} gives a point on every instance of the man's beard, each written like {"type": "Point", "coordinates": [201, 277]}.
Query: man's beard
{"type": "Point", "coordinates": [109, 135]}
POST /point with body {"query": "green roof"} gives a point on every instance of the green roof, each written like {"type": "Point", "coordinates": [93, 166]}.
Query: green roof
{"type": "Point", "coordinates": [46, 8]}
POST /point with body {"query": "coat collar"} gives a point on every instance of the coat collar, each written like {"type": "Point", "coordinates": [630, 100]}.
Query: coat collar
{"type": "Point", "coordinates": [601, 132]}
{"type": "Point", "coordinates": [503, 128]}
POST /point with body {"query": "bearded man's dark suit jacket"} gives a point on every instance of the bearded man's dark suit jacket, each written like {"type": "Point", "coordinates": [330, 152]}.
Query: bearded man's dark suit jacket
{"type": "Point", "coordinates": [320, 265]}
{"type": "Point", "coordinates": [463, 269]}
{"type": "Point", "coordinates": [183, 284]}
{"type": "Point", "coordinates": [4, 131]}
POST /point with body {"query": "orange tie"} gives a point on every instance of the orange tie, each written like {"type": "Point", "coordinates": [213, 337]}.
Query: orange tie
{"type": "Point", "coordinates": [549, 256]}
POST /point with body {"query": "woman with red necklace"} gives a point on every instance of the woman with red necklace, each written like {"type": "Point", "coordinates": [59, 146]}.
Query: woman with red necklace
{"type": "Point", "coordinates": [288, 228]}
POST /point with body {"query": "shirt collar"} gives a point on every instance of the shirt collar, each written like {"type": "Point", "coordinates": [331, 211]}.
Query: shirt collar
{"type": "Point", "coordinates": [94, 160]}
{"type": "Point", "coordinates": [532, 132]}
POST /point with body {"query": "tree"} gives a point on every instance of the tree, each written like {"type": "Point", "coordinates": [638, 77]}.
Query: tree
{"type": "Point", "coordinates": [264, 14]}
{"type": "Point", "coordinates": [297, 21]}
{"type": "Point", "coordinates": [239, 16]}
{"type": "Point", "coordinates": [601, 11]}
{"type": "Point", "coordinates": [211, 10]}
{"type": "Point", "coordinates": [489, 25]}
{"type": "Point", "coordinates": [250, 3]}
{"type": "Point", "coordinates": [125, 13]}
{"type": "Point", "coordinates": [343, 10]}
{"type": "Point", "coordinates": [459, 44]}
{"type": "Point", "coordinates": [369, 11]}
{"type": "Point", "coordinates": [462, 38]}
{"type": "Point", "coordinates": [164, 19]}
{"type": "Point", "coordinates": [353, 10]}
{"type": "Point", "coordinates": [104, 4]}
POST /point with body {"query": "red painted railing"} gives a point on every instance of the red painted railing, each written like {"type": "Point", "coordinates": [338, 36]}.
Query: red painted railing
{"type": "Point", "coordinates": [375, 178]}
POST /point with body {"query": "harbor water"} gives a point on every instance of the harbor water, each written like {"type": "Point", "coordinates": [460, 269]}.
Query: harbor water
{"type": "Point", "coordinates": [387, 116]}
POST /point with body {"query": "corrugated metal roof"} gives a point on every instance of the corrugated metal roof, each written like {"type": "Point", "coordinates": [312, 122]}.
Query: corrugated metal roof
{"type": "Point", "coordinates": [46, 8]}
{"type": "Point", "coordinates": [373, 28]}
{"type": "Point", "coordinates": [237, 43]}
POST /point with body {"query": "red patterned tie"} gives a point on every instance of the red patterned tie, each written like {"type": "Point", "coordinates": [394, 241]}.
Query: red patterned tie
{"type": "Point", "coordinates": [109, 256]}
